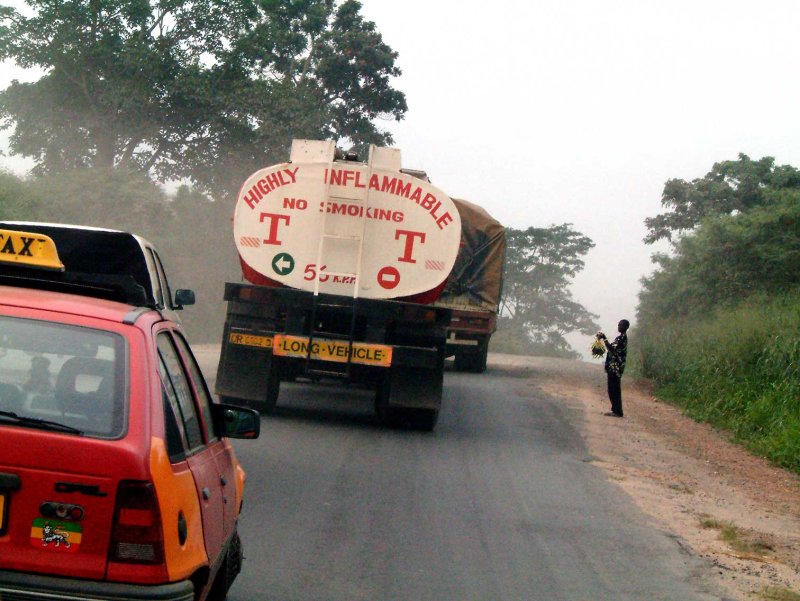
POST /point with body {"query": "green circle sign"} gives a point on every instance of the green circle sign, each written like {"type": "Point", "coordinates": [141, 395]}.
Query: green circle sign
{"type": "Point", "coordinates": [283, 263]}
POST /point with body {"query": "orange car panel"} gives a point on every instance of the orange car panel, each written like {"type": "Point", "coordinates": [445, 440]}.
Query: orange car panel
{"type": "Point", "coordinates": [177, 495]}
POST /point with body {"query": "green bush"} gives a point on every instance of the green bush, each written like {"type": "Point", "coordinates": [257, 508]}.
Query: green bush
{"type": "Point", "coordinates": [737, 368]}
{"type": "Point", "coordinates": [17, 200]}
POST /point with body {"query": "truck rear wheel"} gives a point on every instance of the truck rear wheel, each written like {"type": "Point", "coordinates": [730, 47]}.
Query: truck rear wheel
{"type": "Point", "coordinates": [474, 362]}
{"type": "Point", "coordinates": [273, 385]}
{"type": "Point", "coordinates": [423, 419]}
{"type": "Point", "coordinates": [387, 415]}
{"type": "Point", "coordinates": [273, 389]}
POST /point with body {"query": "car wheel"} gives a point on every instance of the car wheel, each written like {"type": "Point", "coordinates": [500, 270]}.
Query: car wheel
{"type": "Point", "coordinates": [228, 571]}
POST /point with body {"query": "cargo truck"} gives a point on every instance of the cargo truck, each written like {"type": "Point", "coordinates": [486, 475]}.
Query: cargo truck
{"type": "Point", "coordinates": [474, 287]}
{"type": "Point", "coordinates": [342, 261]}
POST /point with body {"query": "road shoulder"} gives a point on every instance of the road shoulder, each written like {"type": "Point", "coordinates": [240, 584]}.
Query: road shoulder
{"type": "Point", "coordinates": [722, 504]}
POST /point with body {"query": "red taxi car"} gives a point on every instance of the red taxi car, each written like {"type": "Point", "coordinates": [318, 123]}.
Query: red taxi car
{"type": "Point", "coordinates": [117, 481]}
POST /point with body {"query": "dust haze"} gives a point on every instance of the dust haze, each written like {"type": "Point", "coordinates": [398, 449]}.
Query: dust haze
{"type": "Point", "coordinates": [578, 112]}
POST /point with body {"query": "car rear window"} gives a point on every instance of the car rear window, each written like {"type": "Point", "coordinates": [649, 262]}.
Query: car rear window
{"type": "Point", "coordinates": [71, 375]}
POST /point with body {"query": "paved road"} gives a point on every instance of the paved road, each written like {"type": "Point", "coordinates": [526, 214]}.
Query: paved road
{"type": "Point", "coordinates": [499, 503]}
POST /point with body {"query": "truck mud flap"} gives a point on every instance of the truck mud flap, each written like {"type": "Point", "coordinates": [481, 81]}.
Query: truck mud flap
{"type": "Point", "coordinates": [410, 388]}
{"type": "Point", "coordinates": [409, 397]}
{"type": "Point", "coordinates": [420, 358]}
{"type": "Point", "coordinates": [243, 373]}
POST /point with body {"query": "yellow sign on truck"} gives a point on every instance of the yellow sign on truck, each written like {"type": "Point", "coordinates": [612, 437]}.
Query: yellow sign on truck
{"type": "Point", "coordinates": [337, 351]}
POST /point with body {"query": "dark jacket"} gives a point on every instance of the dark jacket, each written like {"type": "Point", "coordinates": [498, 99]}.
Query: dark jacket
{"type": "Point", "coordinates": [616, 355]}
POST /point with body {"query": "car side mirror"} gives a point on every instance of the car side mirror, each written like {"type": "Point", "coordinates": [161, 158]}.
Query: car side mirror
{"type": "Point", "coordinates": [183, 298]}
{"type": "Point", "coordinates": [236, 422]}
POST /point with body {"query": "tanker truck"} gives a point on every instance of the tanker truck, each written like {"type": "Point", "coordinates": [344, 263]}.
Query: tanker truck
{"type": "Point", "coordinates": [342, 262]}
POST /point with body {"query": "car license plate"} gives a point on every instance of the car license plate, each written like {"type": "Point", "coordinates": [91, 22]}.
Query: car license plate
{"type": "Point", "coordinates": [378, 355]}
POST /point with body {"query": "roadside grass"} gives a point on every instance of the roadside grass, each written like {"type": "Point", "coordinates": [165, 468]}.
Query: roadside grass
{"type": "Point", "coordinates": [738, 369]}
{"type": "Point", "coordinates": [774, 593]}
{"type": "Point", "coordinates": [737, 539]}
{"type": "Point", "coordinates": [682, 488]}
{"type": "Point", "coordinates": [706, 521]}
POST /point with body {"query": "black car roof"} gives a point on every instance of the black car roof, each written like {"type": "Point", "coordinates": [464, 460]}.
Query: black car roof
{"type": "Point", "coordinates": [103, 263]}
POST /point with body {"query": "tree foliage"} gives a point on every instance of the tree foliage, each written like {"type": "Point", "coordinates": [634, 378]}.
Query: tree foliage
{"type": "Point", "coordinates": [15, 197]}
{"type": "Point", "coordinates": [176, 223]}
{"type": "Point", "coordinates": [537, 304]}
{"type": "Point", "coordinates": [200, 260]}
{"type": "Point", "coordinates": [718, 320]}
{"type": "Point", "coordinates": [728, 259]}
{"type": "Point", "coordinates": [207, 90]}
{"type": "Point", "coordinates": [730, 187]}
{"type": "Point", "coordinates": [111, 198]}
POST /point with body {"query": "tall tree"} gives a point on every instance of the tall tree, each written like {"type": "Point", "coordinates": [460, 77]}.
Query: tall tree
{"type": "Point", "coordinates": [207, 90]}
{"type": "Point", "coordinates": [730, 187]}
{"type": "Point", "coordinates": [540, 263]}
{"type": "Point", "coordinates": [727, 259]}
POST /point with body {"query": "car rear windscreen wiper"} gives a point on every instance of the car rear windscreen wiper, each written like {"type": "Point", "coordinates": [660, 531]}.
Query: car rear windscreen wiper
{"type": "Point", "coordinates": [35, 422]}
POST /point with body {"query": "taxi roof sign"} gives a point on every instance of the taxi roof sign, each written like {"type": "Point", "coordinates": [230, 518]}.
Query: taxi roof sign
{"type": "Point", "coordinates": [27, 249]}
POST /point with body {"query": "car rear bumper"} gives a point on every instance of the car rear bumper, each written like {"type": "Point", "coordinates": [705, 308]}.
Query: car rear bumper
{"type": "Point", "coordinates": [19, 586]}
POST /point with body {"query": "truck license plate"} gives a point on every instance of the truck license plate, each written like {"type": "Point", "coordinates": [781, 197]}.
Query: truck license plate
{"type": "Point", "coordinates": [251, 340]}
{"type": "Point", "coordinates": [378, 355]}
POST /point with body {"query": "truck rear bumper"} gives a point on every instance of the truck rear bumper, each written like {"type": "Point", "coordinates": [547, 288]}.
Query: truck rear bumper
{"type": "Point", "coordinates": [457, 339]}
{"type": "Point", "coordinates": [243, 370]}
{"type": "Point", "coordinates": [267, 333]}
{"type": "Point", "coordinates": [19, 586]}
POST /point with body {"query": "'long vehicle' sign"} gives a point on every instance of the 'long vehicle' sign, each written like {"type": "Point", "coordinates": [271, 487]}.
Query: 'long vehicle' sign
{"type": "Point", "coordinates": [322, 349]}
{"type": "Point", "coordinates": [411, 230]}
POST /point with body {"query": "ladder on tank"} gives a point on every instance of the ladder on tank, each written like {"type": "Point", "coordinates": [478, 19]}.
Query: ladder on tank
{"type": "Point", "coordinates": [328, 237]}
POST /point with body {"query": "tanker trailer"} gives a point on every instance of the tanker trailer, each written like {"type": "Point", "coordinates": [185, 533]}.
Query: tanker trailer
{"type": "Point", "coordinates": [342, 260]}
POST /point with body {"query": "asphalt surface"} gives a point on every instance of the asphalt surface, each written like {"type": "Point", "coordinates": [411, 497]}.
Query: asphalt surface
{"type": "Point", "coordinates": [500, 503]}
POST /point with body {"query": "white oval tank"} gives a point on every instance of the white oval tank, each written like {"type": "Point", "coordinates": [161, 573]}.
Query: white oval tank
{"type": "Point", "coordinates": [344, 227]}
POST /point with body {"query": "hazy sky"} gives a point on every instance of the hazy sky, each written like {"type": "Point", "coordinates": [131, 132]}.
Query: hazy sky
{"type": "Point", "coordinates": [579, 110]}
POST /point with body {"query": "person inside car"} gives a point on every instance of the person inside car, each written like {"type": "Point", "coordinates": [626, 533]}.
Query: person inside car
{"type": "Point", "coordinates": [39, 377]}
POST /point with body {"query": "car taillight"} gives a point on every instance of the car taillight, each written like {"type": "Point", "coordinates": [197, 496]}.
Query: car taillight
{"type": "Point", "coordinates": [136, 536]}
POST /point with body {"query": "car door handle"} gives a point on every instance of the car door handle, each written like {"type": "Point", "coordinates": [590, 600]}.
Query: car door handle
{"type": "Point", "coordinates": [206, 493]}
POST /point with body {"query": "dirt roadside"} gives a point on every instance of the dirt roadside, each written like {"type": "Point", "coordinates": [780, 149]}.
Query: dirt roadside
{"type": "Point", "coordinates": [734, 510]}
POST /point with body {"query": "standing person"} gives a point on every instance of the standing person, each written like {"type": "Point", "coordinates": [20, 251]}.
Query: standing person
{"type": "Point", "coordinates": [615, 365]}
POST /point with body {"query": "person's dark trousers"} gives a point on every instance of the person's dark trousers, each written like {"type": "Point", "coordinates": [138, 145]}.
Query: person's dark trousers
{"type": "Point", "coordinates": [615, 393]}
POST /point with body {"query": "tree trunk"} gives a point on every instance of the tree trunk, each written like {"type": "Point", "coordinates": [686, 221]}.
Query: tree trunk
{"type": "Point", "coordinates": [105, 148]}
